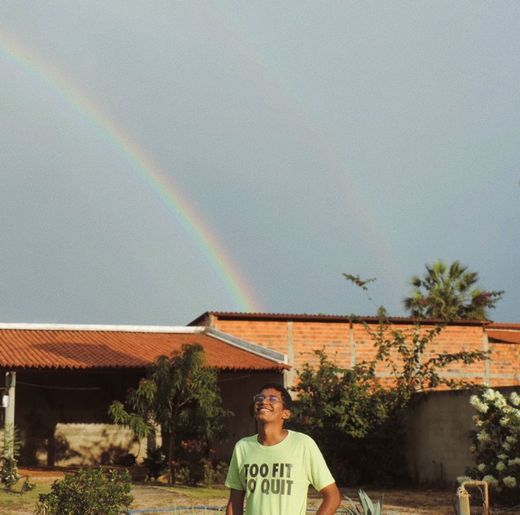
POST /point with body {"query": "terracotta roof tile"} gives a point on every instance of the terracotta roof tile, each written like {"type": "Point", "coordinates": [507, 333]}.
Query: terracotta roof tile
{"type": "Point", "coordinates": [504, 336]}
{"type": "Point", "coordinates": [81, 349]}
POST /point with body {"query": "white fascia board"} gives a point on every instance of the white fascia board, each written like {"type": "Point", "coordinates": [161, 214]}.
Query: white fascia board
{"type": "Point", "coordinates": [254, 348]}
{"type": "Point", "coordinates": [114, 328]}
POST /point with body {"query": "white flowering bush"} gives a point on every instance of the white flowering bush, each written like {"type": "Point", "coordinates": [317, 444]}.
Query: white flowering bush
{"type": "Point", "coordinates": [496, 443]}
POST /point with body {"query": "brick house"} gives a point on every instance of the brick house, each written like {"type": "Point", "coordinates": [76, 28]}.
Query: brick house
{"type": "Point", "coordinates": [297, 336]}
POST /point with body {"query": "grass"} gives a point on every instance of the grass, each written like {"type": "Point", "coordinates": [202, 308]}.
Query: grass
{"type": "Point", "coordinates": [201, 493]}
{"type": "Point", "coordinates": [145, 495]}
{"type": "Point", "coordinates": [160, 495]}
{"type": "Point", "coordinates": [26, 502]}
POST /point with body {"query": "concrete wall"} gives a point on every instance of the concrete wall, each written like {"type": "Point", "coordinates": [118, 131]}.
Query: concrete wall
{"type": "Point", "coordinates": [437, 447]}
{"type": "Point", "coordinates": [92, 444]}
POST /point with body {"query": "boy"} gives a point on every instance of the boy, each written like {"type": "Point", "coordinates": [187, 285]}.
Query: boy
{"type": "Point", "coordinates": [272, 470]}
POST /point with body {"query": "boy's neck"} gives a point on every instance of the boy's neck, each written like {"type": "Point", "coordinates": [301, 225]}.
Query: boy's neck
{"type": "Point", "coordinates": [271, 435]}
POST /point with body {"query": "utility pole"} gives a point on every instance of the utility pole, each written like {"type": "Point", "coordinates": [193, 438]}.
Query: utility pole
{"type": "Point", "coordinates": [10, 385]}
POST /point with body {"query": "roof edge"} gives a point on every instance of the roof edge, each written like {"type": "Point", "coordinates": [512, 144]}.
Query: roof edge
{"type": "Point", "coordinates": [504, 326]}
{"type": "Point", "coordinates": [229, 315]}
{"type": "Point", "coordinates": [253, 348]}
{"type": "Point", "coordinates": [201, 317]}
{"type": "Point", "coordinates": [102, 327]}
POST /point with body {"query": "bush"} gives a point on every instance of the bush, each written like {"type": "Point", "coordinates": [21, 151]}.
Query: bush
{"type": "Point", "coordinates": [496, 444]}
{"type": "Point", "coordinates": [195, 463]}
{"type": "Point", "coordinates": [88, 492]}
{"type": "Point", "coordinates": [360, 423]}
{"type": "Point", "coordinates": [355, 422]}
{"type": "Point", "coordinates": [156, 463]}
{"type": "Point", "coordinates": [10, 451]}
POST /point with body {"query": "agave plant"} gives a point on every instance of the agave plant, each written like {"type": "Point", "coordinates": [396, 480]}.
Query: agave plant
{"type": "Point", "coordinates": [367, 505]}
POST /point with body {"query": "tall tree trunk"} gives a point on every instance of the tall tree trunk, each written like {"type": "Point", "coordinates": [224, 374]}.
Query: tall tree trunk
{"type": "Point", "coordinates": [170, 458]}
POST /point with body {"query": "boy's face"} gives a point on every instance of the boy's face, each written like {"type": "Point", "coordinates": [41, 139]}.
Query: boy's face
{"type": "Point", "coordinates": [269, 407]}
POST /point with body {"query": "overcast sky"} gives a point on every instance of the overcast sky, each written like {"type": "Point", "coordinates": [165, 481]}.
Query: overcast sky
{"type": "Point", "coordinates": [310, 138]}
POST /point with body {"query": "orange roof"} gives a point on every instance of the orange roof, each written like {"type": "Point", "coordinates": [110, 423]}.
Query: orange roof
{"type": "Point", "coordinates": [83, 347]}
{"type": "Point", "coordinates": [504, 336]}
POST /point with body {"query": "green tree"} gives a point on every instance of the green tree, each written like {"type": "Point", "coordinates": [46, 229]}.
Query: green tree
{"type": "Point", "coordinates": [359, 422]}
{"type": "Point", "coordinates": [449, 293]}
{"type": "Point", "coordinates": [181, 395]}
{"type": "Point", "coordinates": [340, 408]}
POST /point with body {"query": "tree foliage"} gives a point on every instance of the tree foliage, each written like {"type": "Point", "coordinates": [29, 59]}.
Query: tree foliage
{"type": "Point", "coordinates": [360, 422]}
{"type": "Point", "coordinates": [181, 395]}
{"type": "Point", "coordinates": [401, 351]}
{"type": "Point", "coordinates": [448, 293]}
{"type": "Point", "coordinates": [340, 408]}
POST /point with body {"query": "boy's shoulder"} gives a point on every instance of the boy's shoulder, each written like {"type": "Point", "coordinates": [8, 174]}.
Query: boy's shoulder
{"type": "Point", "coordinates": [300, 436]}
{"type": "Point", "coordinates": [247, 440]}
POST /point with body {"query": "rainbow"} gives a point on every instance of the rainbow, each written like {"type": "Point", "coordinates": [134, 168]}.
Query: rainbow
{"type": "Point", "coordinates": [325, 142]}
{"type": "Point", "coordinates": [142, 164]}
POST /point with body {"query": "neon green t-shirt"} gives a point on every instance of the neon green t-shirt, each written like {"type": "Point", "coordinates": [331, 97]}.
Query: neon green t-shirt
{"type": "Point", "coordinates": [276, 478]}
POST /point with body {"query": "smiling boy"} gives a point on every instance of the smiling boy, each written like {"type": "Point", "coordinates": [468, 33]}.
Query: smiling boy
{"type": "Point", "coordinates": [273, 469]}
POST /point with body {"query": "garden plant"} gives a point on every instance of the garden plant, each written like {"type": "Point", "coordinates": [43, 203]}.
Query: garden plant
{"type": "Point", "coordinates": [496, 444]}
{"type": "Point", "coordinates": [88, 492]}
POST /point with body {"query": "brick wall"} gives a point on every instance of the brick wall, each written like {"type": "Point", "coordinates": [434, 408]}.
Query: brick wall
{"type": "Point", "coordinates": [349, 343]}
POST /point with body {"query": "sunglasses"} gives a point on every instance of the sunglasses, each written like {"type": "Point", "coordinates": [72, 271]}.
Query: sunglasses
{"type": "Point", "coordinates": [272, 399]}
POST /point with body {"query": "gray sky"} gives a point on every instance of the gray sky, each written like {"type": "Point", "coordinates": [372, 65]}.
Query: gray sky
{"type": "Point", "coordinates": [311, 138]}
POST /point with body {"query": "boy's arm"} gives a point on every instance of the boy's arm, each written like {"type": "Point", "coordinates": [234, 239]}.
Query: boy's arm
{"type": "Point", "coordinates": [235, 505]}
{"type": "Point", "coordinates": [331, 500]}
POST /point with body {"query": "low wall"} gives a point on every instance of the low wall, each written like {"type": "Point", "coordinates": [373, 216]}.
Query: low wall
{"type": "Point", "coordinates": [437, 445]}
{"type": "Point", "coordinates": [93, 444]}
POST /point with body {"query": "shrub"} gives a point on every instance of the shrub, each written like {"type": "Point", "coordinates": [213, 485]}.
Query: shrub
{"type": "Point", "coordinates": [10, 451]}
{"type": "Point", "coordinates": [355, 422]}
{"type": "Point", "coordinates": [156, 463]}
{"type": "Point", "coordinates": [196, 463]}
{"type": "Point", "coordinates": [496, 443]}
{"type": "Point", "coordinates": [88, 492]}
{"type": "Point", "coordinates": [360, 423]}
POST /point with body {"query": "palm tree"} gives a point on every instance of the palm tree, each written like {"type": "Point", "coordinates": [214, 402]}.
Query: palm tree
{"type": "Point", "coordinates": [448, 293]}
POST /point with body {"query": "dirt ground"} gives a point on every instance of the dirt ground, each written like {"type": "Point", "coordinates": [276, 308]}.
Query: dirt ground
{"type": "Point", "coordinates": [149, 495]}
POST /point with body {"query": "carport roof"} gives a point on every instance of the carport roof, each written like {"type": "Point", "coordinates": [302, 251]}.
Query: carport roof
{"type": "Point", "coordinates": [60, 346]}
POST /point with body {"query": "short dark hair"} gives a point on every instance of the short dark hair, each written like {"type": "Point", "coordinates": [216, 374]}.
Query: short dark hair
{"type": "Point", "coordinates": [286, 396]}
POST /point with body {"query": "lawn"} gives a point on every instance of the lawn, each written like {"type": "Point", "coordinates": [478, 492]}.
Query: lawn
{"type": "Point", "coordinates": [159, 495]}
{"type": "Point", "coordinates": [22, 503]}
